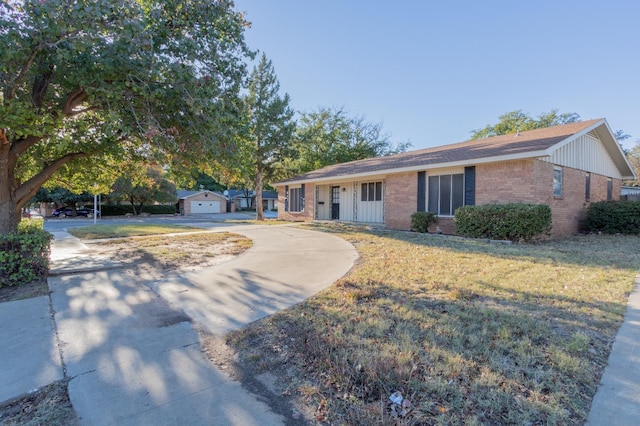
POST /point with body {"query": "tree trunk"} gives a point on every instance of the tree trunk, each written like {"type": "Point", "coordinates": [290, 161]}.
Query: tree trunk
{"type": "Point", "coordinates": [259, 213]}
{"type": "Point", "coordinates": [9, 208]}
{"type": "Point", "coordinates": [9, 216]}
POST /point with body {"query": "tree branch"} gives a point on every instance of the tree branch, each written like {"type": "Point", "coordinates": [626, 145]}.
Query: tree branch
{"type": "Point", "coordinates": [24, 70]}
{"type": "Point", "coordinates": [82, 111]}
{"type": "Point", "coordinates": [28, 190]}
{"type": "Point", "coordinates": [74, 99]}
{"type": "Point", "coordinates": [20, 146]}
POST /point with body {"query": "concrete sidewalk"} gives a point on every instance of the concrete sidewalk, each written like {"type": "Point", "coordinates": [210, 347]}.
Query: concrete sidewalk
{"type": "Point", "coordinates": [135, 359]}
{"type": "Point", "coordinates": [617, 401]}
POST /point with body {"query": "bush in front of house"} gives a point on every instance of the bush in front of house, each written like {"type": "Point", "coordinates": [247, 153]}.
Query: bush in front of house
{"type": "Point", "coordinates": [121, 210]}
{"type": "Point", "coordinates": [24, 255]}
{"type": "Point", "coordinates": [420, 221]}
{"type": "Point", "coordinates": [513, 221]}
{"type": "Point", "coordinates": [613, 217]}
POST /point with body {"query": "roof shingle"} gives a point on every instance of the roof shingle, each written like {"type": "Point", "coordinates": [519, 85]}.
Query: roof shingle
{"type": "Point", "coordinates": [504, 145]}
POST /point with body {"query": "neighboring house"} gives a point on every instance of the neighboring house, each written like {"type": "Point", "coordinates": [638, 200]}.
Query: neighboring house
{"type": "Point", "coordinates": [247, 199]}
{"type": "Point", "coordinates": [630, 193]}
{"type": "Point", "coordinates": [201, 202]}
{"type": "Point", "coordinates": [565, 167]}
{"type": "Point", "coordinates": [630, 190]}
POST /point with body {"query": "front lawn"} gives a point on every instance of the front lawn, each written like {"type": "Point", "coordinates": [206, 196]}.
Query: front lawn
{"type": "Point", "coordinates": [128, 230]}
{"type": "Point", "coordinates": [467, 332]}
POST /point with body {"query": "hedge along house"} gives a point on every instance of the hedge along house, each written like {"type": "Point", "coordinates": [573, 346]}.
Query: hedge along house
{"type": "Point", "coordinates": [566, 167]}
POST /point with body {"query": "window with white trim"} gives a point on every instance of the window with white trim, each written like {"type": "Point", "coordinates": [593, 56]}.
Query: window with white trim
{"type": "Point", "coordinates": [557, 182]}
{"type": "Point", "coordinates": [371, 191]}
{"type": "Point", "coordinates": [446, 194]}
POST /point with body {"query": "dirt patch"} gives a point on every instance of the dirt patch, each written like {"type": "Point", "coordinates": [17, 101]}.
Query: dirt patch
{"type": "Point", "coordinates": [50, 405]}
{"type": "Point", "coordinates": [274, 385]}
{"type": "Point", "coordinates": [26, 291]}
{"type": "Point", "coordinates": [172, 253]}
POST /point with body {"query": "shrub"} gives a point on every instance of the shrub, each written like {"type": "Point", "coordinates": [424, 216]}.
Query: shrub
{"type": "Point", "coordinates": [420, 221]}
{"type": "Point", "coordinates": [24, 255]}
{"type": "Point", "coordinates": [121, 210]}
{"type": "Point", "coordinates": [513, 221]}
{"type": "Point", "coordinates": [613, 217]}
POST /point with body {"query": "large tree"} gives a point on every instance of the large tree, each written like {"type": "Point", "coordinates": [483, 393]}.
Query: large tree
{"type": "Point", "coordinates": [80, 78]}
{"type": "Point", "coordinates": [270, 127]}
{"type": "Point", "coordinates": [143, 185]}
{"type": "Point", "coordinates": [330, 136]}
{"type": "Point", "coordinates": [515, 121]}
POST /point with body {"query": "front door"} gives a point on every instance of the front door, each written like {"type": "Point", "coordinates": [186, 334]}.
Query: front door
{"type": "Point", "coordinates": [335, 203]}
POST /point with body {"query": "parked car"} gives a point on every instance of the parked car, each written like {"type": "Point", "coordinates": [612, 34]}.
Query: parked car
{"type": "Point", "coordinates": [68, 212]}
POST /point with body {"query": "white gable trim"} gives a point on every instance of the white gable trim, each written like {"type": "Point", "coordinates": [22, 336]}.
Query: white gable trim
{"type": "Point", "coordinates": [611, 161]}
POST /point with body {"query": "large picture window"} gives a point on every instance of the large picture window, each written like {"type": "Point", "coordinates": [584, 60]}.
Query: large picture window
{"type": "Point", "coordinates": [296, 202]}
{"type": "Point", "coordinates": [446, 194]}
{"type": "Point", "coordinates": [371, 191]}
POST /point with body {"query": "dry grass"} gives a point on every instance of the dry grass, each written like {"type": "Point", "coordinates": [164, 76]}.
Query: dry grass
{"type": "Point", "coordinates": [189, 251]}
{"type": "Point", "coordinates": [127, 230]}
{"type": "Point", "coordinates": [468, 332]}
{"type": "Point", "coordinates": [49, 406]}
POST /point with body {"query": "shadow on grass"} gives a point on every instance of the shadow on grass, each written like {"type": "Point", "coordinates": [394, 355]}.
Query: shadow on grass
{"type": "Point", "coordinates": [501, 334]}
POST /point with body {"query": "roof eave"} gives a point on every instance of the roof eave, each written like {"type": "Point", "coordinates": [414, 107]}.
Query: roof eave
{"type": "Point", "coordinates": [418, 168]}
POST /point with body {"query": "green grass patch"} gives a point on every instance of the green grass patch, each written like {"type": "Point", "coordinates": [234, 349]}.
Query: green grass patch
{"type": "Point", "coordinates": [469, 332]}
{"type": "Point", "coordinates": [127, 230]}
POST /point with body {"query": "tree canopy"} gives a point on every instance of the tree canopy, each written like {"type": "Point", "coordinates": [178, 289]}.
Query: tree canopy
{"type": "Point", "coordinates": [269, 126]}
{"type": "Point", "coordinates": [330, 136]}
{"type": "Point", "coordinates": [143, 185]}
{"type": "Point", "coordinates": [81, 79]}
{"type": "Point", "coordinates": [515, 121]}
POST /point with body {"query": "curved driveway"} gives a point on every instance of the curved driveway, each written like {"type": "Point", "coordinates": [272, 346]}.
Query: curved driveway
{"type": "Point", "coordinates": [285, 266]}
{"type": "Point", "coordinates": [132, 358]}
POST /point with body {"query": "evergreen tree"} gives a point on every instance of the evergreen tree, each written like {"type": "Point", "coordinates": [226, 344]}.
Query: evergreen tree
{"type": "Point", "coordinates": [270, 126]}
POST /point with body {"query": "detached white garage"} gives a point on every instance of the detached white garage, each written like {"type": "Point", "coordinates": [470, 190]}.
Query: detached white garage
{"type": "Point", "coordinates": [198, 207]}
{"type": "Point", "coordinates": [202, 202]}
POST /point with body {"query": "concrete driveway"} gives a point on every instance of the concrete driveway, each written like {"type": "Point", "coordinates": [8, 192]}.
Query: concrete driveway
{"type": "Point", "coordinates": [129, 347]}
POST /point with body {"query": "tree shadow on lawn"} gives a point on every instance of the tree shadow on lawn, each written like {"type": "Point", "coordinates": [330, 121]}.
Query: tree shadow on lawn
{"type": "Point", "coordinates": [479, 359]}
{"type": "Point", "coordinates": [475, 338]}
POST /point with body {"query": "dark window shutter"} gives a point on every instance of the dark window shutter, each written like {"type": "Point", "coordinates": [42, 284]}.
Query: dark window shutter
{"type": "Point", "coordinates": [302, 197]}
{"type": "Point", "coordinates": [470, 186]}
{"type": "Point", "coordinates": [422, 186]}
{"type": "Point", "coordinates": [286, 198]}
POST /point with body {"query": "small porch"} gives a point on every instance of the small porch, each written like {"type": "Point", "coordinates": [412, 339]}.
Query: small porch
{"type": "Point", "coordinates": [359, 202]}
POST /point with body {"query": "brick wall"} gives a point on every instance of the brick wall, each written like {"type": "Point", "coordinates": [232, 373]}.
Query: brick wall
{"type": "Point", "coordinates": [401, 200]}
{"type": "Point", "coordinates": [309, 204]}
{"type": "Point", "coordinates": [531, 181]}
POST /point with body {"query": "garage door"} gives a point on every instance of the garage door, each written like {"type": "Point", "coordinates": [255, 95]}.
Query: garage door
{"type": "Point", "coordinates": [205, 207]}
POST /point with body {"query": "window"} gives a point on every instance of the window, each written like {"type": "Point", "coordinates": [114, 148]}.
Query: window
{"type": "Point", "coordinates": [587, 187]}
{"type": "Point", "coordinates": [609, 189]}
{"type": "Point", "coordinates": [446, 194]}
{"type": "Point", "coordinates": [296, 200]}
{"type": "Point", "coordinates": [371, 191]}
{"type": "Point", "coordinates": [557, 182]}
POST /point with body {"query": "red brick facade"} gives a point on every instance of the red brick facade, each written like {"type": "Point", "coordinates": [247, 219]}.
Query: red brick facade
{"type": "Point", "coordinates": [520, 181]}
{"type": "Point", "coordinates": [309, 204]}
{"type": "Point", "coordinates": [401, 200]}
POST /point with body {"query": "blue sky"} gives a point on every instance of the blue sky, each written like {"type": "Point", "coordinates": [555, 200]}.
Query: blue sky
{"type": "Point", "coordinates": [432, 71]}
